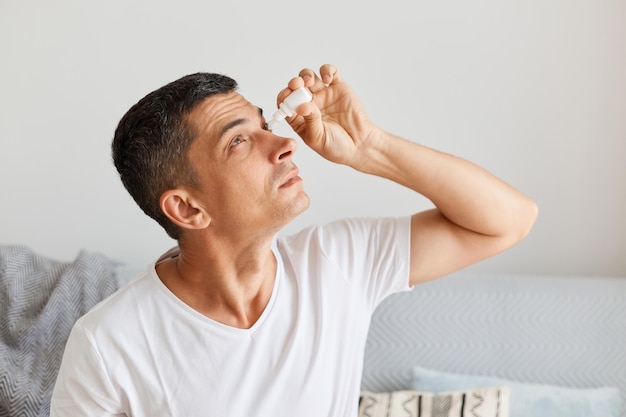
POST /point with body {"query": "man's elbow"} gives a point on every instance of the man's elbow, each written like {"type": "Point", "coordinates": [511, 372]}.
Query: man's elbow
{"type": "Point", "coordinates": [524, 221]}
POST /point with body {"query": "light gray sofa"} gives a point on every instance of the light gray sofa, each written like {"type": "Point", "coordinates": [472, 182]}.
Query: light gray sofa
{"type": "Point", "coordinates": [551, 330]}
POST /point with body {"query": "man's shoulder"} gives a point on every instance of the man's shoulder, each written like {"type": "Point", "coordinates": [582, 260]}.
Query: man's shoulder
{"type": "Point", "coordinates": [120, 308]}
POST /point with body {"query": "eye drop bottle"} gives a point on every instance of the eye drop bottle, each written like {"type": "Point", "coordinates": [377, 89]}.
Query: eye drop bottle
{"type": "Point", "coordinates": [288, 107]}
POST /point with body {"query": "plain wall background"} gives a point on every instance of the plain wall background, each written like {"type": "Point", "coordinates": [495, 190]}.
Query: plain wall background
{"type": "Point", "coordinates": [534, 91]}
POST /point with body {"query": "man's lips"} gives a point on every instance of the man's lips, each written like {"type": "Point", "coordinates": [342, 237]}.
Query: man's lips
{"type": "Point", "coordinates": [292, 178]}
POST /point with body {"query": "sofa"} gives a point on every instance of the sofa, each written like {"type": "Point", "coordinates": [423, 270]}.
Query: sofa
{"type": "Point", "coordinates": [555, 345]}
{"type": "Point", "coordinates": [559, 342]}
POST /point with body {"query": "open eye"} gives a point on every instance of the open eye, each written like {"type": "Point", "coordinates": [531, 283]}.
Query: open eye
{"type": "Point", "coordinates": [266, 126]}
{"type": "Point", "coordinates": [237, 140]}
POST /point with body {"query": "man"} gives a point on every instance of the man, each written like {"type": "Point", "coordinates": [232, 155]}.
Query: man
{"type": "Point", "coordinates": [236, 321]}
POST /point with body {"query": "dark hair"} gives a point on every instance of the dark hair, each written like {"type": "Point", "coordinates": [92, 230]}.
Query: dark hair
{"type": "Point", "coordinates": [151, 141]}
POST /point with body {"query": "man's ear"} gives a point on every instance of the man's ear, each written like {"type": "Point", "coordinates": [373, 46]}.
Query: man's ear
{"type": "Point", "coordinates": [182, 209]}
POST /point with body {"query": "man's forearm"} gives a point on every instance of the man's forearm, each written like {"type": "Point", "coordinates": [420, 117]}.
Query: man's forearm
{"type": "Point", "coordinates": [464, 193]}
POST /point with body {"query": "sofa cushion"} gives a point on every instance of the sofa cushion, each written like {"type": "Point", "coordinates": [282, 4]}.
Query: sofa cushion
{"type": "Point", "coordinates": [536, 400]}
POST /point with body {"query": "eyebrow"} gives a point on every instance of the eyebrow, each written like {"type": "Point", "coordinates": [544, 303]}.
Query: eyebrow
{"type": "Point", "coordinates": [236, 123]}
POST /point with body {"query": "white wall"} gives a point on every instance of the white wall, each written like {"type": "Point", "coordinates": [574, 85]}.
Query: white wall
{"type": "Point", "coordinates": [535, 91]}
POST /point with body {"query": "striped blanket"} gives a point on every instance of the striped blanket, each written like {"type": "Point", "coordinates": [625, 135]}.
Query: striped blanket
{"type": "Point", "coordinates": [40, 299]}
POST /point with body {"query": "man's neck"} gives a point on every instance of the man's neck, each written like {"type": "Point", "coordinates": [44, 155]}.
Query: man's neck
{"type": "Point", "coordinates": [226, 281]}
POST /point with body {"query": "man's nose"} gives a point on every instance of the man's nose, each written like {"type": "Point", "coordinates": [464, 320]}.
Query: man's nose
{"type": "Point", "coordinates": [281, 148]}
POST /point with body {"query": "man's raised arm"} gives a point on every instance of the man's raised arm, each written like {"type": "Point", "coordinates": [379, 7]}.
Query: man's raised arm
{"type": "Point", "coordinates": [476, 214]}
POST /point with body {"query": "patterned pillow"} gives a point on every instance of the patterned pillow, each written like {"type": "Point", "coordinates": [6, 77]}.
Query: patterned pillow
{"type": "Point", "coordinates": [481, 402]}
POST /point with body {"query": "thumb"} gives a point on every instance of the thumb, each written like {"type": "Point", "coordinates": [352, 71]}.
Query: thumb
{"type": "Point", "coordinates": [312, 130]}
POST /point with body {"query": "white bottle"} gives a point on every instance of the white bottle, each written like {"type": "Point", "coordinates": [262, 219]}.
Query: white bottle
{"type": "Point", "coordinates": [288, 107]}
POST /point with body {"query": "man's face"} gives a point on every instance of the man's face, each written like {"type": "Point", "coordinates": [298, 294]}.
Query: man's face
{"type": "Point", "coordinates": [247, 179]}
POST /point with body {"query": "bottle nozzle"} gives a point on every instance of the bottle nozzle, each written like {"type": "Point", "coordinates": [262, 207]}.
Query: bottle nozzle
{"type": "Point", "coordinates": [288, 107]}
{"type": "Point", "coordinates": [276, 118]}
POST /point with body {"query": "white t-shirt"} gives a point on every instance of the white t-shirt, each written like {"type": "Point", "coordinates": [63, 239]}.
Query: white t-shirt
{"type": "Point", "coordinates": [144, 353]}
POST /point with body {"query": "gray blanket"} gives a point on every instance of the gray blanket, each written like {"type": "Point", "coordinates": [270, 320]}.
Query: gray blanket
{"type": "Point", "coordinates": [40, 299]}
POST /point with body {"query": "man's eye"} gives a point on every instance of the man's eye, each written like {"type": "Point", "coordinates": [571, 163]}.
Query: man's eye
{"type": "Point", "coordinates": [266, 126]}
{"type": "Point", "coordinates": [236, 141]}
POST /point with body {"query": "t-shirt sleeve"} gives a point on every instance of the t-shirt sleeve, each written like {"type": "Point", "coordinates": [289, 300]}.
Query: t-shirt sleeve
{"type": "Point", "coordinates": [373, 254]}
{"type": "Point", "coordinates": [82, 387]}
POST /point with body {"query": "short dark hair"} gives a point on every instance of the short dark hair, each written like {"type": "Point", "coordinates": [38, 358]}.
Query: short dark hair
{"type": "Point", "coordinates": [152, 140]}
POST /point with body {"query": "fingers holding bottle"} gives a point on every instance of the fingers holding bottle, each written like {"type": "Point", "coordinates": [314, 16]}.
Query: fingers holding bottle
{"type": "Point", "coordinates": [333, 123]}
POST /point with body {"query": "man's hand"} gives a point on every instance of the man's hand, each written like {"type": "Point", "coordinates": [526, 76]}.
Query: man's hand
{"type": "Point", "coordinates": [334, 123]}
